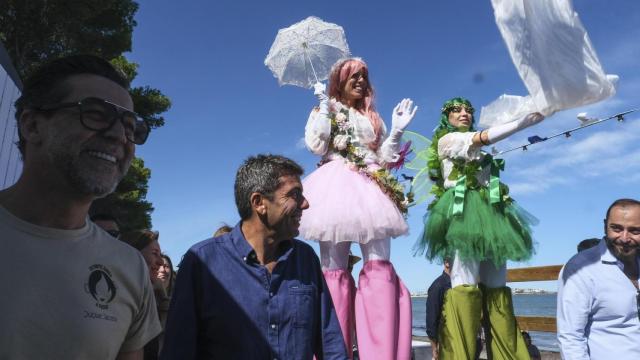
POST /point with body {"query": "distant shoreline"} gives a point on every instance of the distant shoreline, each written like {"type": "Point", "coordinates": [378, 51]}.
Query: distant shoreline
{"type": "Point", "coordinates": [513, 291]}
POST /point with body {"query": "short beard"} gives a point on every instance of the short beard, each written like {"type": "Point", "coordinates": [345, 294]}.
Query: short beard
{"type": "Point", "coordinates": [84, 181]}
{"type": "Point", "coordinates": [86, 185]}
{"type": "Point", "coordinates": [615, 249]}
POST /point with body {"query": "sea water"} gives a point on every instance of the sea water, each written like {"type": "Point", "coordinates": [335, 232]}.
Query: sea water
{"type": "Point", "coordinates": [523, 304]}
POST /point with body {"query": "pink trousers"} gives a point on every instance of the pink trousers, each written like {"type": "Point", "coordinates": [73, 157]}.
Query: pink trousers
{"type": "Point", "coordinates": [382, 311]}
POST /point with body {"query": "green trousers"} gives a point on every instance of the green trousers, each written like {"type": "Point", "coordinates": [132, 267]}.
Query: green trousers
{"type": "Point", "coordinates": [464, 307]}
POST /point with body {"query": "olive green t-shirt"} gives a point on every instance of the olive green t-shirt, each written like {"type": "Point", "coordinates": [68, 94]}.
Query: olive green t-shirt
{"type": "Point", "coordinates": [71, 294]}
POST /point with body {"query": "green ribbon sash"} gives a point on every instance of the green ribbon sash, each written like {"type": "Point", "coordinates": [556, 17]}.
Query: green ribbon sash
{"type": "Point", "coordinates": [496, 165]}
{"type": "Point", "coordinates": [458, 195]}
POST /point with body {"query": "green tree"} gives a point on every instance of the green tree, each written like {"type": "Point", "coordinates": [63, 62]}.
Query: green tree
{"type": "Point", "coordinates": [149, 103]}
{"type": "Point", "coordinates": [36, 31]}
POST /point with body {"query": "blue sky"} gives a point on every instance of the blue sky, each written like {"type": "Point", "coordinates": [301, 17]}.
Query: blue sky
{"type": "Point", "coordinates": [207, 56]}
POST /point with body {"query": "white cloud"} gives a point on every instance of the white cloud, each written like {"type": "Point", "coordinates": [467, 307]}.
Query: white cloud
{"type": "Point", "coordinates": [624, 53]}
{"type": "Point", "coordinates": [611, 154]}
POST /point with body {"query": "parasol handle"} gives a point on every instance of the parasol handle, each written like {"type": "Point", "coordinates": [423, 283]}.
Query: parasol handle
{"type": "Point", "coordinates": [305, 47]}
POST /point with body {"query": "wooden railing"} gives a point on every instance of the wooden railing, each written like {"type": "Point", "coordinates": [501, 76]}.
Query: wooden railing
{"type": "Point", "coordinates": [537, 273]}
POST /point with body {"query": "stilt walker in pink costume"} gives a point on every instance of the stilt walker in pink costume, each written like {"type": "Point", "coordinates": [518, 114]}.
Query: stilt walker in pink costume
{"type": "Point", "coordinates": [354, 198]}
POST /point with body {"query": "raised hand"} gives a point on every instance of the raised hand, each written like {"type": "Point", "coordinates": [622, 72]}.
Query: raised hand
{"type": "Point", "coordinates": [320, 91]}
{"type": "Point", "coordinates": [532, 119]}
{"type": "Point", "coordinates": [402, 114]}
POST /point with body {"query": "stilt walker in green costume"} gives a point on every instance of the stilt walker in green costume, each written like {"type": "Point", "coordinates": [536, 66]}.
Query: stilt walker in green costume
{"type": "Point", "coordinates": [474, 221]}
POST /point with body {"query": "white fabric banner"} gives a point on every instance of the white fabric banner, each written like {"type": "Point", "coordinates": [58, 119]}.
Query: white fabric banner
{"type": "Point", "coordinates": [554, 57]}
{"type": "Point", "coordinates": [10, 161]}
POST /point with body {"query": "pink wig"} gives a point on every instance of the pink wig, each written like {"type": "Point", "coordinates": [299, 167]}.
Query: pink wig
{"type": "Point", "coordinates": [340, 73]}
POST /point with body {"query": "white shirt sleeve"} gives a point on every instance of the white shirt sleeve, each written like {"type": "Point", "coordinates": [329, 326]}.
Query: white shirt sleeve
{"type": "Point", "coordinates": [388, 151]}
{"type": "Point", "coordinates": [317, 133]}
{"type": "Point", "coordinates": [574, 307]}
{"type": "Point", "coordinates": [457, 145]}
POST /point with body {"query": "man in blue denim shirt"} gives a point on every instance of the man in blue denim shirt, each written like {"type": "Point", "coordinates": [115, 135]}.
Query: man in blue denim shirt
{"type": "Point", "coordinates": [256, 292]}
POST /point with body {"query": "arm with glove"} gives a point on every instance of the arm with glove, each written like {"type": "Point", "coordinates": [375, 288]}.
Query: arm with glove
{"type": "Point", "coordinates": [402, 115]}
{"type": "Point", "coordinates": [499, 132]}
{"type": "Point", "coordinates": [317, 133]}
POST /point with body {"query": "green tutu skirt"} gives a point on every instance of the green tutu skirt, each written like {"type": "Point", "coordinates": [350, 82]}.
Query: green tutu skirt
{"type": "Point", "coordinates": [483, 231]}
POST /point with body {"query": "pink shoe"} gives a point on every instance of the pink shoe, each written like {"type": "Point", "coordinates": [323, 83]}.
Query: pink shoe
{"type": "Point", "coordinates": [342, 289]}
{"type": "Point", "coordinates": [383, 313]}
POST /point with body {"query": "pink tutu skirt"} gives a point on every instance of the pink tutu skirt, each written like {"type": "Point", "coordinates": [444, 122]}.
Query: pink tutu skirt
{"type": "Point", "coordinates": [345, 205]}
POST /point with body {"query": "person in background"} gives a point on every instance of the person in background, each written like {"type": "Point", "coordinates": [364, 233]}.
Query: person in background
{"type": "Point", "coordinates": [598, 313]}
{"type": "Point", "coordinates": [588, 244]}
{"type": "Point", "coordinates": [166, 274]}
{"type": "Point", "coordinates": [255, 292]}
{"type": "Point", "coordinates": [146, 241]}
{"type": "Point", "coordinates": [435, 300]}
{"type": "Point", "coordinates": [223, 229]}
{"type": "Point", "coordinates": [75, 293]}
{"type": "Point", "coordinates": [107, 223]}
{"type": "Point", "coordinates": [166, 279]}
{"type": "Point", "coordinates": [534, 352]}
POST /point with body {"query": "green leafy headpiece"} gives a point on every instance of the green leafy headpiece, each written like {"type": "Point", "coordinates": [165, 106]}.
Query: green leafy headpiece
{"type": "Point", "coordinates": [433, 159]}
{"type": "Point", "coordinates": [450, 105]}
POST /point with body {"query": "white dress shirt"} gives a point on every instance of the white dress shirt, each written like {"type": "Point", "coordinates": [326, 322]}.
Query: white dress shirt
{"type": "Point", "coordinates": [597, 309]}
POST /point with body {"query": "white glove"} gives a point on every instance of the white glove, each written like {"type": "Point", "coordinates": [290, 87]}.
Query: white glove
{"type": "Point", "coordinates": [319, 90]}
{"type": "Point", "coordinates": [499, 132]}
{"type": "Point", "coordinates": [402, 115]}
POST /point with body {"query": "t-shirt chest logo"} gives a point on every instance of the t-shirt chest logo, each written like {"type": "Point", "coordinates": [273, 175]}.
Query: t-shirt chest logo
{"type": "Point", "coordinates": [100, 286]}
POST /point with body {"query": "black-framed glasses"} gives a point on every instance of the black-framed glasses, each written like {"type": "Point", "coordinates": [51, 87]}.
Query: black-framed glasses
{"type": "Point", "coordinates": [100, 115]}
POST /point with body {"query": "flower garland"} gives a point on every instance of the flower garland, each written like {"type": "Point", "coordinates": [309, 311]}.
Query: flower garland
{"type": "Point", "coordinates": [470, 170]}
{"type": "Point", "coordinates": [340, 143]}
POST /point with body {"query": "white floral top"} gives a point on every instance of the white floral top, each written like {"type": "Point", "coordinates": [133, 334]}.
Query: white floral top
{"type": "Point", "coordinates": [317, 135]}
{"type": "Point", "coordinates": [459, 145]}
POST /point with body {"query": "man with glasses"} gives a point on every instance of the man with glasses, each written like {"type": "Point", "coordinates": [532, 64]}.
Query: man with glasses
{"type": "Point", "coordinates": [598, 295]}
{"type": "Point", "coordinates": [107, 223]}
{"type": "Point", "coordinates": [72, 292]}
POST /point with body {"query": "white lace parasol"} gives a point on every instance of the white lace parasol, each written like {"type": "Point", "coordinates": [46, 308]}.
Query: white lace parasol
{"type": "Point", "coordinates": [303, 53]}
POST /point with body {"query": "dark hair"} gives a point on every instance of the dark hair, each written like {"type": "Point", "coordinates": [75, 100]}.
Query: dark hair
{"type": "Point", "coordinates": [587, 244]}
{"type": "Point", "coordinates": [47, 84]}
{"type": "Point", "coordinates": [172, 275]}
{"type": "Point", "coordinates": [166, 257]}
{"type": "Point", "coordinates": [223, 229]}
{"type": "Point", "coordinates": [526, 335]}
{"type": "Point", "coordinates": [261, 174]}
{"type": "Point", "coordinates": [104, 217]}
{"type": "Point", "coordinates": [621, 203]}
{"type": "Point", "coordinates": [139, 239]}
